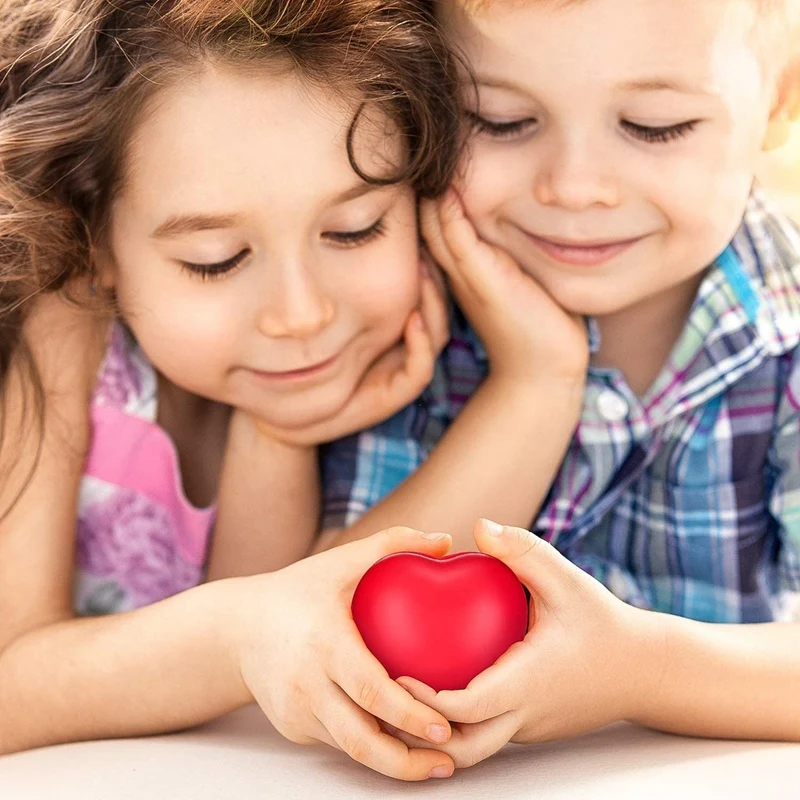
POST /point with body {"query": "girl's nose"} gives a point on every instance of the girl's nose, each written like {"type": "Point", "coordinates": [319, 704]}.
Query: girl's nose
{"type": "Point", "coordinates": [296, 306]}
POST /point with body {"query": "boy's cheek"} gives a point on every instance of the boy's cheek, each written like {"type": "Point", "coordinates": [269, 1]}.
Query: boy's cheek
{"type": "Point", "coordinates": [487, 187]}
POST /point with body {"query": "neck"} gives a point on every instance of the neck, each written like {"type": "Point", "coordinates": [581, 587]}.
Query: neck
{"type": "Point", "coordinates": [638, 340]}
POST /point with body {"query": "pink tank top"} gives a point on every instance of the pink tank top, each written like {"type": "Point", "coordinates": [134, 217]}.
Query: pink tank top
{"type": "Point", "coordinates": [139, 539]}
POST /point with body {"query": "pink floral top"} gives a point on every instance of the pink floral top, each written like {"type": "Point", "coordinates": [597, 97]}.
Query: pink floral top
{"type": "Point", "coordinates": [139, 539]}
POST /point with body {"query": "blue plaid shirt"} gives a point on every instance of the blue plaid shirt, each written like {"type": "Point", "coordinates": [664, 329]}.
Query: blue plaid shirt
{"type": "Point", "coordinates": [686, 500]}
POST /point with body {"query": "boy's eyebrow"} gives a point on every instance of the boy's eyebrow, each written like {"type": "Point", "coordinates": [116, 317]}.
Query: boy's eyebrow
{"type": "Point", "coordinates": [179, 224]}
{"type": "Point", "coordinates": [661, 85]}
{"type": "Point", "coordinates": [638, 85]}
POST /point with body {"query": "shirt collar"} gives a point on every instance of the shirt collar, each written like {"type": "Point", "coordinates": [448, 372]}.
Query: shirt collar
{"type": "Point", "coordinates": [749, 300]}
{"type": "Point", "coordinates": [747, 309]}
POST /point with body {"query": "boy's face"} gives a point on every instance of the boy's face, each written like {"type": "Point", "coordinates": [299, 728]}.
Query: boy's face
{"type": "Point", "coordinates": [615, 141]}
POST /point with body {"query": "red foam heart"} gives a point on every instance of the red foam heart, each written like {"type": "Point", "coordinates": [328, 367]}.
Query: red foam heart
{"type": "Point", "coordinates": [440, 620]}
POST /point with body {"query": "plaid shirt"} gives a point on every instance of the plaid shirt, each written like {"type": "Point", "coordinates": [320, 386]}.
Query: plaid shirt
{"type": "Point", "coordinates": [686, 500]}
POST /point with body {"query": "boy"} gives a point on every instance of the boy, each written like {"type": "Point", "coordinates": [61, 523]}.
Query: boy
{"type": "Point", "coordinates": [611, 165]}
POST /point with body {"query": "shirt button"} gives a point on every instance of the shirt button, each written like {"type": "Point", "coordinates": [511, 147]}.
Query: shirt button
{"type": "Point", "coordinates": [611, 406]}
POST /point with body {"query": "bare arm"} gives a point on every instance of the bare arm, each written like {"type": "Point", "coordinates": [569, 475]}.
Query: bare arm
{"type": "Point", "coordinates": [724, 681]}
{"type": "Point", "coordinates": [497, 460]}
{"type": "Point", "coordinates": [268, 503]}
{"type": "Point", "coordinates": [61, 678]}
{"type": "Point", "coordinates": [500, 455]}
{"type": "Point", "coordinates": [160, 668]}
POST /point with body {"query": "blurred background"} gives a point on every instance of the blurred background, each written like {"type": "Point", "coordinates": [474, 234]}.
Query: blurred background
{"type": "Point", "coordinates": [780, 173]}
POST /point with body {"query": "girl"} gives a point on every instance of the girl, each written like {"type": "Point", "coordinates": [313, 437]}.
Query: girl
{"type": "Point", "coordinates": [207, 225]}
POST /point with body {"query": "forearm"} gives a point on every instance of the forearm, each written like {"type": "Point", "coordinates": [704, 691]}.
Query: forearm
{"type": "Point", "coordinates": [269, 503]}
{"type": "Point", "coordinates": [497, 460]}
{"type": "Point", "coordinates": [721, 681]}
{"type": "Point", "coordinates": [160, 668]}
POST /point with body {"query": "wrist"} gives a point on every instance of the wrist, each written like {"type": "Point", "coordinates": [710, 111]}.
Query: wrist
{"type": "Point", "coordinates": [544, 390]}
{"type": "Point", "coordinates": [232, 628]}
{"type": "Point", "coordinates": [645, 663]}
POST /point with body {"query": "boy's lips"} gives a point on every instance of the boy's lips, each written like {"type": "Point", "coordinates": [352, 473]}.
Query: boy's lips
{"type": "Point", "coordinates": [582, 253]}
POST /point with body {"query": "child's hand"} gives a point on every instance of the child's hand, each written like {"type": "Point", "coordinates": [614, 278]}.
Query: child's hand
{"type": "Point", "coordinates": [525, 332]}
{"type": "Point", "coordinates": [578, 668]}
{"type": "Point", "coordinates": [306, 665]}
{"type": "Point", "coordinates": [394, 381]}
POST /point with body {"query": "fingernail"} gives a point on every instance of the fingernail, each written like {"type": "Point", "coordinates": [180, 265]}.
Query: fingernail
{"type": "Point", "coordinates": [434, 536]}
{"type": "Point", "coordinates": [418, 321]}
{"type": "Point", "coordinates": [492, 528]}
{"type": "Point", "coordinates": [437, 733]}
{"type": "Point", "coordinates": [442, 771]}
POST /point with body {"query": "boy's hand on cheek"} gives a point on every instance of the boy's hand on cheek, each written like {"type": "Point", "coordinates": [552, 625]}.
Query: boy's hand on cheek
{"type": "Point", "coordinates": [525, 332]}
{"type": "Point", "coordinates": [394, 381]}
{"type": "Point", "coordinates": [581, 666]}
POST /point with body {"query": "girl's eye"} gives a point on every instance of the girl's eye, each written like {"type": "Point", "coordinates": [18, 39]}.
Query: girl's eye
{"type": "Point", "coordinates": [356, 238]}
{"type": "Point", "coordinates": [663, 135]}
{"type": "Point", "coordinates": [498, 130]}
{"type": "Point", "coordinates": [208, 271]}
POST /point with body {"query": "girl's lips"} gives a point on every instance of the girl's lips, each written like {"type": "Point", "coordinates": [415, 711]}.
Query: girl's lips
{"type": "Point", "coordinates": [299, 374]}
{"type": "Point", "coordinates": [585, 255]}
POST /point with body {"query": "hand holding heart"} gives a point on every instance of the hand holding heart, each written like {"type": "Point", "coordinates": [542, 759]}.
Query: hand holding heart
{"type": "Point", "coordinates": [581, 665]}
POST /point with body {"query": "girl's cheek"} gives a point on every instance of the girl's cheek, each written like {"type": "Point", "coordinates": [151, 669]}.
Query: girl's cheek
{"type": "Point", "coordinates": [390, 291]}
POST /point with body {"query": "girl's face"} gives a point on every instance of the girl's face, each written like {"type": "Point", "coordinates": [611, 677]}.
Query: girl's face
{"type": "Point", "coordinates": [254, 267]}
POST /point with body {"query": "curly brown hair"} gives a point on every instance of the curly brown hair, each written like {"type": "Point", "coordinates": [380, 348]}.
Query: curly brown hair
{"type": "Point", "coordinates": [75, 74]}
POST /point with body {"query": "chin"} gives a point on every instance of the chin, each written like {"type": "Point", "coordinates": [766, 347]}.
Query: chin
{"type": "Point", "coordinates": [293, 413]}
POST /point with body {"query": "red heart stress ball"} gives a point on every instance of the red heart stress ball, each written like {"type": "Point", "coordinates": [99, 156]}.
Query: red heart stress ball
{"type": "Point", "coordinates": [440, 620]}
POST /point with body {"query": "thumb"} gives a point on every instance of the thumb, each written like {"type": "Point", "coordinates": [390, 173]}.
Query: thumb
{"type": "Point", "coordinates": [361, 555]}
{"type": "Point", "coordinates": [534, 561]}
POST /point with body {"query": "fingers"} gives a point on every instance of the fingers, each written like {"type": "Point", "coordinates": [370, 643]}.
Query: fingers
{"type": "Point", "coordinates": [419, 362]}
{"type": "Point", "coordinates": [470, 744]}
{"type": "Point", "coordinates": [488, 695]}
{"type": "Point", "coordinates": [434, 308]}
{"type": "Point", "coordinates": [367, 684]}
{"type": "Point", "coordinates": [354, 731]}
{"type": "Point", "coordinates": [433, 234]}
{"type": "Point", "coordinates": [355, 558]}
{"type": "Point", "coordinates": [536, 562]}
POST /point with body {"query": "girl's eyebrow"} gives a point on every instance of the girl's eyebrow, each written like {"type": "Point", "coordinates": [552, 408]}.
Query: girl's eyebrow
{"type": "Point", "coordinates": [180, 224]}
{"type": "Point", "coordinates": [355, 191]}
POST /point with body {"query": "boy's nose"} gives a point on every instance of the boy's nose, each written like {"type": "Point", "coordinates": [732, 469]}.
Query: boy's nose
{"type": "Point", "coordinates": [295, 306]}
{"type": "Point", "coordinates": [575, 180]}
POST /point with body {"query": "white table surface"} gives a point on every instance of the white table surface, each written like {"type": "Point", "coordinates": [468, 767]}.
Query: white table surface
{"type": "Point", "coordinates": [241, 756]}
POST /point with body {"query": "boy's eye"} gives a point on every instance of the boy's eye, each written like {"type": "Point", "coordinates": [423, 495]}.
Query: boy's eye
{"type": "Point", "coordinates": [663, 135]}
{"type": "Point", "coordinates": [356, 238]}
{"type": "Point", "coordinates": [498, 130]}
{"type": "Point", "coordinates": [206, 271]}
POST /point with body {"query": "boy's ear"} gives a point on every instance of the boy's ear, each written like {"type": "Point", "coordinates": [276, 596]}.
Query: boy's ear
{"type": "Point", "coordinates": [785, 110]}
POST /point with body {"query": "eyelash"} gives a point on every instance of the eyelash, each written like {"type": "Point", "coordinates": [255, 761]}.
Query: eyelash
{"type": "Point", "coordinates": [210, 271]}
{"type": "Point", "coordinates": [348, 239]}
{"type": "Point", "coordinates": [507, 130]}
{"type": "Point", "coordinates": [660, 135]}
{"type": "Point", "coordinates": [498, 130]}
{"type": "Point", "coordinates": [357, 238]}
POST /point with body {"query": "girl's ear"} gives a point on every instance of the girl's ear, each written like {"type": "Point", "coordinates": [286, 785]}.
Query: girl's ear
{"type": "Point", "coordinates": [786, 109]}
{"type": "Point", "coordinates": [104, 271]}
